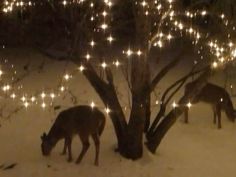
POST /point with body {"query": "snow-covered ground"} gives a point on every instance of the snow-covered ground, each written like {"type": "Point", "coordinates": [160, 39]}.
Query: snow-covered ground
{"type": "Point", "coordinates": [198, 149]}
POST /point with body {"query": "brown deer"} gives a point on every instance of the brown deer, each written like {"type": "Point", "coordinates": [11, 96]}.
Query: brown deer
{"type": "Point", "coordinates": [81, 120]}
{"type": "Point", "coordinates": [217, 97]}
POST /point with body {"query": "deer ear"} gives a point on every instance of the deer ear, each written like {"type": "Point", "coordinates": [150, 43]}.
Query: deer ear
{"type": "Point", "coordinates": [43, 136]}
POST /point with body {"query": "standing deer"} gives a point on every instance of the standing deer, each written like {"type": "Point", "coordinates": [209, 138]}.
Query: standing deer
{"type": "Point", "coordinates": [81, 120]}
{"type": "Point", "coordinates": [217, 97]}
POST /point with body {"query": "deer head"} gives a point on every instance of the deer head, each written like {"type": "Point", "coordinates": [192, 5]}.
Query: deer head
{"type": "Point", "coordinates": [234, 114]}
{"type": "Point", "coordinates": [46, 145]}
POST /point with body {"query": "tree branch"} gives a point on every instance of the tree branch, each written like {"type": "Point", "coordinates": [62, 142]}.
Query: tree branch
{"type": "Point", "coordinates": [165, 70]}
{"type": "Point", "coordinates": [161, 130]}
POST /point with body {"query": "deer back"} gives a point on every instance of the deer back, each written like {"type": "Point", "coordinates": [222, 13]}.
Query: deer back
{"type": "Point", "coordinates": [79, 119]}
{"type": "Point", "coordinates": [210, 93]}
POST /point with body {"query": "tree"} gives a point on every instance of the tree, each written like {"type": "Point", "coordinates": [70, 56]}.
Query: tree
{"type": "Point", "coordinates": [144, 27]}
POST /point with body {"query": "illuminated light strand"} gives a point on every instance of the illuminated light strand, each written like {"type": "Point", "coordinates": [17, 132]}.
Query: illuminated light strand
{"type": "Point", "coordinates": [179, 26]}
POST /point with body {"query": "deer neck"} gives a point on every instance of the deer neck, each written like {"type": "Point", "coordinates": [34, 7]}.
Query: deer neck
{"type": "Point", "coordinates": [230, 112]}
{"type": "Point", "coordinates": [55, 135]}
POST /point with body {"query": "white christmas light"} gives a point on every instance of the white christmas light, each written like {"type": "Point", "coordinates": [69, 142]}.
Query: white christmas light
{"type": "Point", "coordinates": [92, 105]}
{"type": "Point", "coordinates": [189, 105]}
{"type": "Point", "coordinates": [174, 105]}
{"type": "Point", "coordinates": [104, 65]}
{"type": "Point", "coordinates": [81, 68]}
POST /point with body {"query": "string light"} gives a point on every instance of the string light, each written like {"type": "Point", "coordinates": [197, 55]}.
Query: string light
{"type": "Point", "coordinates": [52, 95]}
{"type": "Point", "coordinates": [62, 89]}
{"type": "Point", "coordinates": [43, 105]}
{"type": "Point", "coordinates": [174, 105]}
{"type": "Point", "coordinates": [13, 96]}
{"type": "Point", "coordinates": [26, 104]}
{"type": "Point", "coordinates": [104, 26]}
{"type": "Point", "coordinates": [92, 104]}
{"type": "Point", "coordinates": [33, 99]}
{"type": "Point", "coordinates": [43, 95]}
{"type": "Point", "coordinates": [189, 105]}
{"type": "Point", "coordinates": [217, 49]}
{"type": "Point", "coordinates": [139, 52]}
{"type": "Point", "coordinates": [129, 52]}
{"type": "Point", "coordinates": [107, 110]}
{"type": "Point", "coordinates": [117, 63]}
{"type": "Point", "coordinates": [110, 39]}
{"type": "Point", "coordinates": [104, 65]}
{"type": "Point", "coordinates": [23, 98]}
{"type": "Point", "coordinates": [81, 68]}
{"type": "Point", "coordinates": [92, 43]}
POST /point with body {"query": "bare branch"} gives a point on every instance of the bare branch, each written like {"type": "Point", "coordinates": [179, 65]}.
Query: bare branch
{"type": "Point", "coordinates": [164, 102]}
{"type": "Point", "coordinates": [165, 70]}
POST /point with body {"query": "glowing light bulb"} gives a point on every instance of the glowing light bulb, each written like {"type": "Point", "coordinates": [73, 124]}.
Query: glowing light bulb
{"type": "Point", "coordinates": [62, 88]}
{"type": "Point", "coordinates": [203, 13]}
{"type": "Point", "coordinates": [43, 95]}
{"type": "Point", "coordinates": [104, 13]}
{"type": "Point", "coordinates": [64, 2]}
{"type": "Point", "coordinates": [33, 99]}
{"type": "Point", "coordinates": [66, 76]}
{"type": "Point", "coordinates": [181, 26]}
{"type": "Point", "coordinates": [52, 95]}
{"type": "Point", "coordinates": [139, 52]}
{"type": "Point", "coordinates": [92, 43]}
{"type": "Point", "coordinates": [110, 39]}
{"type": "Point", "coordinates": [23, 98]}
{"type": "Point", "coordinates": [231, 44]}
{"type": "Point", "coordinates": [104, 26]}
{"type": "Point", "coordinates": [160, 44]}
{"type": "Point", "coordinates": [129, 52]}
{"type": "Point", "coordinates": [234, 53]}
{"type": "Point", "coordinates": [13, 96]}
{"type": "Point", "coordinates": [169, 37]}
{"type": "Point", "coordinates": [88, 56]}
{"type": "Point", "coordinates": [144, 3]}
{"type": "Point", "coordinates": [174, 105]}
{"type": "Point", "coordinates": [107, 110]}
{"type": "Point", "coordinates": [92, 105]}
{"type": "Point", "coordinates": [81, 68]}
{"type": "Point", "coordinates": [214, 64]}
{"type": "Point", "coordinates": [26, 104]}
{"type": "Point", "coordinates": [43, 105]}
{"type": "Point", "coordinates": [104, 65]}
{"type": "Point", "coordinates": [189, 105]}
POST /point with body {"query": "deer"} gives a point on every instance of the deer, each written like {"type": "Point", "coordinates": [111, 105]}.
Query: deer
{"type": "Point", "coordinates": [215, 96]}
{"type": "Point", "coordinates": [83, 121]}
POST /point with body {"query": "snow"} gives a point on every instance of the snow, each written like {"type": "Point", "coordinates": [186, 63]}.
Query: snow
{"type": "Point", "coordinates": [197, 149]}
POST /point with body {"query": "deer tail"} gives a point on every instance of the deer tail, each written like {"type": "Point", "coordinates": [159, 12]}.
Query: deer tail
{"type": "Point", "coordinates": [102, 125]}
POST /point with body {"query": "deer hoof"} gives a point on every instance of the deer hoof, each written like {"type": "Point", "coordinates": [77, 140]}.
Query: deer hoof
{"type": "Point", "coordinates": [69, 160]}
{"type": "Point", "coordinates": [77, 162]}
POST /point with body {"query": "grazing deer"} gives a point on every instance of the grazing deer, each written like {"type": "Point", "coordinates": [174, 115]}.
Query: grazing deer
{"type": "Point", "coordinates": [217, 97]}
{"type": "Point", "coordinates": [81, 120]}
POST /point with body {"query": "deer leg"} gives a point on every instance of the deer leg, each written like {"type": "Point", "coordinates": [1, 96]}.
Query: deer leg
{"type": "Point", "coordinates": [97, 146]}
{"type": "Point", "coordinates": [186, 115]}
{"type": "Point", "coordinates": [65, 147]}
{"type": "Point", "coordinates": [215, 114]}
{"type": "Point", "coordinates": [85, 146]}
{"type": "Point", "coordinates": [218, 112]}
{"type": "Point", "coordinates": [69, 140]}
